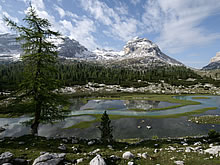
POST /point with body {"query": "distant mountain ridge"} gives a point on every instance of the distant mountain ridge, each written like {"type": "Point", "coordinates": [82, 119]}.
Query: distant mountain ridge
{"type": "Point", "coordinates": [214, 63]}
{"type": "Point", "coordinates": [137, 53]}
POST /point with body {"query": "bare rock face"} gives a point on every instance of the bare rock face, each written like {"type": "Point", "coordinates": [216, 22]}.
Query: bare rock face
{"type": "Point", "coordinates": [214, 63]}
{"type": "Point", "coordinates": [216, 58]}
{"type": "Point", "coordinates": [137, 53]}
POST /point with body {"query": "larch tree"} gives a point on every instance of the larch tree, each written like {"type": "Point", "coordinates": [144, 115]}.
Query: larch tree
{"type": "Point", "coordinates": [39, 59]}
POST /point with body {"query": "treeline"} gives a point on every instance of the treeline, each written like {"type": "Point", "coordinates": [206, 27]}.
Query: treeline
{"type": "Point", "coordinates": [79, 73]}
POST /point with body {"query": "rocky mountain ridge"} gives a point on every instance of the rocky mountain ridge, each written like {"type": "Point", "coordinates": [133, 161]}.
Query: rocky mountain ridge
{"type": "Point", "coordinates": [137, 53]}
{"type": "Point", "coordinates": [214, 63]}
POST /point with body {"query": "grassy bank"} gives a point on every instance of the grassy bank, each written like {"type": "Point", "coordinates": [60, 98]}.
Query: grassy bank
{"type": "Point", "coordinates": [206, 119]}
{"type": "Point", "coordinates": [86, 124]}
{"type": "Point", "coordinates": [158, 151]}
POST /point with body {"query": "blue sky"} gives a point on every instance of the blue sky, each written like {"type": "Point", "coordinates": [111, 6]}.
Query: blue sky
{"type": "Point", "coordinates": [187, 30]}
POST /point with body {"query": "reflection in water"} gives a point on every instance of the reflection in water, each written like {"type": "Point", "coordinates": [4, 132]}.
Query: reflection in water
{"type": "Point", "coordinates": [124, 127]}
{"type": "Point", "coordinates": [118, 104]}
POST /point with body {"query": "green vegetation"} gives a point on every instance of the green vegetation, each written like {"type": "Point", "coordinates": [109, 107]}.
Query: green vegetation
{"type": "Point", "coordinates": [106, 129]}
{"type": "Point", "coordinates": [213, 134]}
{"type": "Point", "coordinates": [206, 119]}
{"type": "Point", "coordinates": [80, 73]}
{"type": "Point", "coordinates": [111, 108]}
{"type": "Point", "coordinates": [86, 124]}
{"type": "Point", "coordinates": [34, 145]}
{"type": "Point", "coordinates": [164, 98]}
{"type": "Point", "coordinates": [40, 57]}
{"type": "Point", "coordinates": [200, 98]}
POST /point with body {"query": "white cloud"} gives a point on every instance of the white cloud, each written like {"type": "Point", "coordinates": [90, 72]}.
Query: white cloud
{"type": "Point", "coordinates": [119, 26]}
{"type": "Point", "coordinates": [135, 2]}
{"type": "Point", "coordinates": [81, 31]}
{"type": "Point", "coordinates": [178, 22]}
{"type": "Point", "coordinates": [4, 28]}
{"type": "Point", "coordinates": [99, 10]}
{"type": "Point", "coordinates": [39, 4]}
{"type": "Point", "coordinates": [60, 11]}
{"type": "Point", "coordinates": [121, 8]}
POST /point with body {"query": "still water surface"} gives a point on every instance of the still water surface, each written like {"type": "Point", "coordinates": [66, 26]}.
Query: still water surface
{"type": "Point", "coordinates": [124, 127]}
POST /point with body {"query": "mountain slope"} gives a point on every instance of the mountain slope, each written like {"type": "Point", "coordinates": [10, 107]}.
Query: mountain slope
{"type": "Point", "coordinates": [214, 63]}
{"type": "Point", "coordinates": [142, 53]}
{"type": "Point", "coordinates": [138, 53]}
{"type": "Point", "coordinates": [10, 49]}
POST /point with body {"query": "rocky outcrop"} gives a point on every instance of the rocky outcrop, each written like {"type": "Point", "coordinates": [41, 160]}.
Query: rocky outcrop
{"type": "Point", "coordinates": [49, 158]}
{"type": "Point", "coordinates": [214, 63]}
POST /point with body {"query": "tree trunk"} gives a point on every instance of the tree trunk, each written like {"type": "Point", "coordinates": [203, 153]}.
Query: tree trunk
{"type": "Point", "coordinates": [36, 122]}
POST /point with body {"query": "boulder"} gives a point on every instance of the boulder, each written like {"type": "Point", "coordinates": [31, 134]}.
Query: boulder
{"type": "Point", "coordinates": [62, 147]}
{"type": "Point", "coordinates": [19, 161]}
{"type": "Point", "coordinates": [127, 155]}
{"type": "Point", "coordinates": [213, 150]}
{"type": "Point", "coordinates": [2, 129]}
{"type": "Point", "coordinates": [179, 162]}
{"type": "Point", "coordinates": [79, 160]}
{"type": "Point", "coordinates": [144, 155]}
{"type": "Point", "coordinates": [91, 142]}
{"type": "Point", "coordinates": [98, 160]}
{"type": "Point", "coordinates": [6, 157]}
{"type": "Point", "coordinates": [49, 158]}
{"type": "Point", "coordinates": [95, 151]}
{"type": "Point", "coordinates": [130, 163]}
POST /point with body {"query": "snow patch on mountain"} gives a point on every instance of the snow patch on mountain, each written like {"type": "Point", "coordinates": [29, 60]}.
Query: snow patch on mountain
{"type": "Point", "coordinates": [137, 52]}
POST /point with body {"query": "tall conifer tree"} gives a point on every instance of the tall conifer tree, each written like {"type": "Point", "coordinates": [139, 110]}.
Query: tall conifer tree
{"type": "Point", "coordinates": [39, 58]}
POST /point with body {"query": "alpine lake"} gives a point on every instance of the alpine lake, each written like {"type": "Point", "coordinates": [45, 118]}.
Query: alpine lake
{"type": "Point", "coordinates": [135, 116]}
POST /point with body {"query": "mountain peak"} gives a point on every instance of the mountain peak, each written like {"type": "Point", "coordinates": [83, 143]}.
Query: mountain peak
{"type": "Point", "coordinates": [216, 58]}
{"type": "Point", "coordinates": [137, 44]}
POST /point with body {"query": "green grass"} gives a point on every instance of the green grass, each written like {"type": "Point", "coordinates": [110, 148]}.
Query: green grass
{"type": "Point", "coordinates": [89, 109]}
{"type": "Point", "coordinates": [34, 145]}
{"type": "Point", "coordinates": [200, 98]}
{"type": "Point", "coordinates": [138, 110]}
{"type": "Point", "coordinates": [87, 124]}
{"type": "Point", "coordinates": [206, 119]}
{"type": "Point", "coordinates": [164, 98]}
{"type": "Point", "coordinates": [111, 108]}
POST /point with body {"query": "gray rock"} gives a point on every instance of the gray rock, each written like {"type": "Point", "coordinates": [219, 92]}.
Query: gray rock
{"type": "Point", "coordinates": [74, 141]}
{"type": "Point", "coordinates": [213, 150]}
{"type": "Point", "coordinates": [6, 157]}
{"type": "Point", "coordinates": [179, 162]}
{"type": "Point", "coordinates": [91, 143]}
{"type": "Point", "coordinates": [2, 129]}
{"type": "Point", "coordinates": [95, 151]}
{"type": "Point", "coordinates": [130, 163]}
{"type": "Point", "coordinates": [21, 143]}
{"type": "Point", "coordinates": [98, 160]}
{"type": "Point", "coordinates": [7, 164]}
{"type": "Point", "coordinates": [127, 155]}
{"type": "Point", "coordinates": [62, 147]}
{"type": "Point", "coordinates": [49, 159]}
{"type": "Point", "coordinates": [144, 155]}
{"type": "Point", "coordinates": [79, 160]}
{"type": "Point", "coordinates": [19, 161]}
